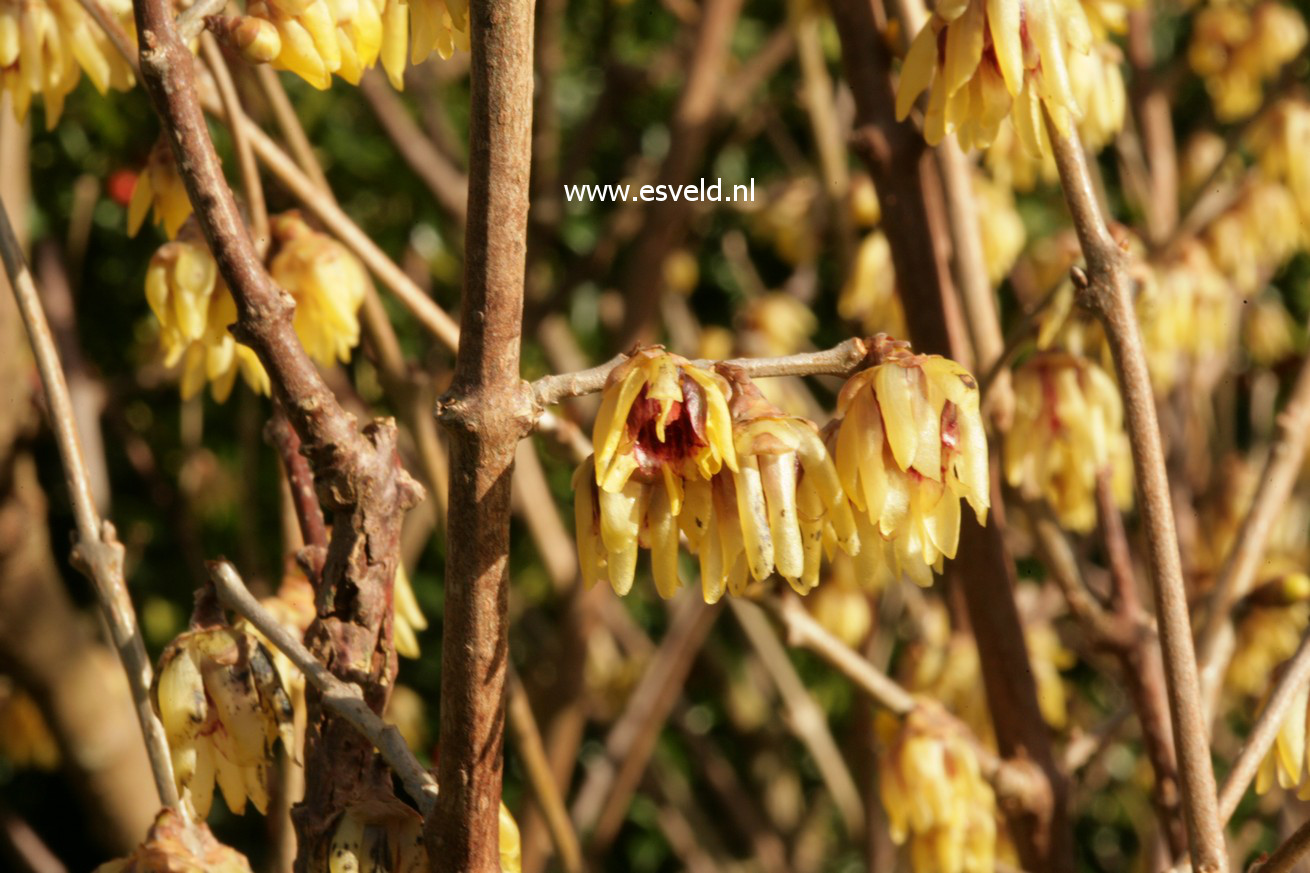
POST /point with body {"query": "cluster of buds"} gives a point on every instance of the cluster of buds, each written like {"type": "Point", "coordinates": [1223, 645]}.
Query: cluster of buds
{"type": "Point", "coordinates": [1236, 49]}
{"type": "Point", "coordinates": [328, 283]}
{"type": "Point", "coordinates": [388, 835]}
{"type": "Point", "coordinates": [173, 843]}
{"type": "Point", "coordinates": [316, 38]}
{"type": "Point", "coordinates": [1068, 430]}
{"type": "Point", "coordinates": [985, 61]}
{"type": "Point", "coordinates": [909, 444]}
{"type": "Point", "coordinates": [46, 45]}
{"type": "Point", "coordinates": [934, 793]}
{"type": "Point", "coordinates": [159, 188]}
{"type": "Point", "coordinates": [195, 308]}
{"type": "Point", "coordinates": [222, 705]}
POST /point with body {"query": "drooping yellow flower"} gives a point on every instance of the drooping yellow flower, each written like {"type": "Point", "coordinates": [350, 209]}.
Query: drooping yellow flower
{"type": "Point", "coordinates": [775, 510]}
{"type": "Point", "coordinates": [1012, 165]}
{"type": "Point", "coordinates": [222, 705]}
{"type": "Point", "coordinates": [865, 210]}
{"type": "Point", "coordinates": [159, 187]}
{"type": "Point", "coordinates": [409, 618]}
{"type": "Point", "coordinates": [195, 309]}
{"type": "Point", "coordinates": [1285, 762]}
{"type": "Point", "coordinates": [663, 422]}
{"type": "Point", "coordinates": [1236, 49]}
{"type": "Point", "coordinates": [985, 60]}
{"type": "Point", "coordinates": [407, 711]}
{"type": "Point", "coordinates": [869, 296]}
{"type": "Point", "coordinates": [787, 219]}
{"type": "Point", "coordinates": [1068, 429]}
{"type": "Point", "coordinates": [841, 604]}
{"type": "Point", "coordinates": [173, 843]}
{"type": "Point", "coordinates": [1257, 234]}
{"type": "Point", "coordinates": [1098, 85]}
{"type": "Point", "coordinates": [46, 45]}
{"type": "Point", "coordinates": [1266, 637]}
{"type": "Point", "coordinates": [25, 738]}
{"type": "Point", "coordinates": [293, 607]}
{"type": "Point", "coordinates": [775, 324]}
{"type": "Point", "coordinates": [327, 281]}
{"type": "Point", "coordinates": [909, 444]}
{"type": "Point", "coordinates": [934, 794]}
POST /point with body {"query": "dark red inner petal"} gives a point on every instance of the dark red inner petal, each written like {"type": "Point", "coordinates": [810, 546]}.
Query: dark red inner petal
{"type": "Point", "coordinates": [684, 432]}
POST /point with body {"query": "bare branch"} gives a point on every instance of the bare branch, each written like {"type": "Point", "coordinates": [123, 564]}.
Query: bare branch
{"type": "Point", "coordinates": [1106, 290]}
{"type": "Point", "coordinates": [237, 125]}
{"type": "Point", "coordinates": [527, 737]}
{"type": "Point", "coordinates": [1287, 856]}
{"type": "Point", "coordinates": [345, 699]}
{"type": "Point", "coordinates": [97, 552]}
{"type": "Point", "coordinates": [841, 360]}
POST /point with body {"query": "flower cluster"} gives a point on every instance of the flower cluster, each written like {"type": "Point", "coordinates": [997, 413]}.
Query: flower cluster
{"type": "Point", "coordinates": [46, 45]}
{"type": "Point", "coordinates": [934, 793]}
{"type": "Point", "coordinates": [909, 444]}
{"type": "Point", "coordinates": [681, 450]}
{"type": "Point", "coordinates": [328, 283]}
{"type": "Point", "coordinates": [1281, 140]}
{"type": "Point", "coordinates": [1236, 49]}
{"type": "Point", "coordinates": [316, 38]}
{"type": "Point", "coordinates": [195, 308]}
{"type": "Point", "coordinates": [1257, 234]}
{"type": "Point", "coordinates": [985, 61]}
{"type": "Point", "coordinates": [1068, 429]}
{"type": "Point", "coordinates": [159, 188]}
{"type": "Point", "coordinates": [222, 705]}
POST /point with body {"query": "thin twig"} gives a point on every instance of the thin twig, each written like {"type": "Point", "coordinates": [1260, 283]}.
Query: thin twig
{"type": "Point", "coordinates": [289, 123]}
{"type": "Point", "coordinates": [1281, 467]}
{"type": "Point", "coordinates": [97, 552]}
{"type": "Point", "coordinates": [344, 699]}
{"type": "Point", "coordinates": [1286, 857]}
{"type": "Point", "coordinates": [444, 180]}
{"type": "Point", "coordinates": [1106, 289]}
{"type": "Point", "coordinates": [309, 515]}
{"type": "Point", "coordinates": [191, 21]}
{"type": "Point", "coordinates": [1294, 675]}
{"type": "Point", "coordinates": [841, 360]}
{"type": "Point", "coordinates": [803, 715]}
{"type": "Point", "coordinates": [528, 740]}
{"type": "Point", "coordinates": [237, 127]}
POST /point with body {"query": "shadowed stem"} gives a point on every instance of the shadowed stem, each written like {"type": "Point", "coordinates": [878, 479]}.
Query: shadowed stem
{"type": "Point", "coordinates": [97, 551]}
{"type": "Point", "coordinates": [1106, 290]}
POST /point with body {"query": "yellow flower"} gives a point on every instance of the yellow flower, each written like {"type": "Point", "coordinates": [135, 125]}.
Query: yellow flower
{"type": "Point", "coordinates": [1098, 85]}
{"type": "Point", "coordinates": [775, 510]}
{"type": "Point", "coordinates": [173, 843]}
{"type": "Point", "coordinates": [788, 219]}
{"type": "Point", "coordinates": [869, 296]}
{"type": "Point", "coordinates": [1266, 637]}
{"type": "Point", "coordinates": [865, 210]}
{"type": "Point", "coordinates": [775, 324]}
{"type": "Point", "coordinates": [981, 59]}
{"type": "Point", "coordinates": [934, 794]}
{"type": "Point", "coordinates": [405, 710]}
{"type": "Point", "coordinates": [1269, 333]}
{"type": "Point", "coordinates": [1235, 49]}
{"type": "Point", "coordinates": [662, 422]}
{"type": "Point", "coordinates": [194, 309]}
{"type": "Point", "coordinates": [46, 45]}
{"type": "Point", "coordinates": [909, 443]}
{"type": "Point", "coordinates": [409, 618]}
{"type": "Point", "coordinates": [25, 738]}
{"type": "Point", "coordinates": [222, 705]}
{"type": "Point", "coordinates": [1284, 763]}
{"type": "Point", "coordinates": [842, 605]}
{"type": "Point", "coordinates": [159, 187]}
{"type": "Point", "coordinates": [1281, 139]}
{"type": "Point", "coordinates": [1068, 428]}
{"type": "Point", "coordinates": [328, 283]}
{"type": "Point", "coordinates": [1014, 166]}
{"type": "Point", "coordinates": [1256, 235]}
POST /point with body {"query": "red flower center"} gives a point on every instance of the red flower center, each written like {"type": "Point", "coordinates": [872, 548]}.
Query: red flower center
{"type": "Point", "coordinates": [684, 431]}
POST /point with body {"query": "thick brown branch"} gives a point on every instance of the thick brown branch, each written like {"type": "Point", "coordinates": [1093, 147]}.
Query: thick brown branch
{"type": "Point", "coordinates": [1106, 290]}
{"type": "Point", "coordinates": [487, 411]}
